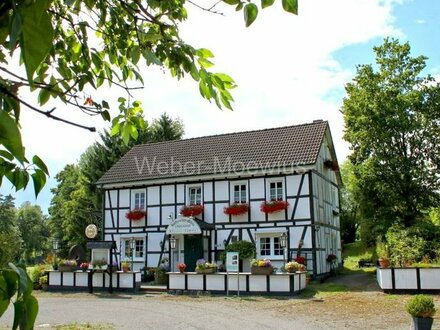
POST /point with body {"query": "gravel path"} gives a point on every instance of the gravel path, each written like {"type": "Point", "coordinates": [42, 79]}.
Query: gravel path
{"type": "Point", "coordinates": [364, 307]}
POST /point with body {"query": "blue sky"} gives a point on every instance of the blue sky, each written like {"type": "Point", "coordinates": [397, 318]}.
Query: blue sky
{"type": "Point", "coordinates": [289, 70]}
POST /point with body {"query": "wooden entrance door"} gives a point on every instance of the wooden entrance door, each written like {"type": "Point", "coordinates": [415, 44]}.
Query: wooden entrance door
{"type": "Point", "coordinates": [193, 251]}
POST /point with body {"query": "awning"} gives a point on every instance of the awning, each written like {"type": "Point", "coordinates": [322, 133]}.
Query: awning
{"type": "Point", "coordinates": [187, 226]}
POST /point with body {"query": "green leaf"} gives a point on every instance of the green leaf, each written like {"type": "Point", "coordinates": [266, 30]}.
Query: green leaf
{"type": "Point", "coordinates": [41, 165]}
{"type": "Point", "coordinates": [4, 303]}
{"type": "Point", "coordinates": [266, 3]}
{"type": "Point", "coordinates": [205, 53]}
{"type": "Point", "coordinates": [6, 155]}
{"type": "Point", "coordinates": [231, 2]}
{"type": "Point", "coordinates": [250, 13]}
{"type": "Point", "coordinates": [23, 279]}
{"type": "Point", "coordinates": [105, 115]}
{"type": "Point", "coordinates": [291, 6]}
{"type": "Point", "coordinates": [18, 314]}
{"type": "Point", "coordinates": [115, 130]}
{"type": "Point", "coordinates": [37, 35]}
{"type": "Point", "coordinates": [10, 136]}
{"type": "Point", "coordinates": [15, 30]}
{"type": "Point", "coordinates": [31, 305]}
{"type": "Point", "coordinates": [135, 54]}
{"type": "Point", "coordinates": [11, 279]}
{"type": "Point", "coordinates": [39, 180]}
{"type": "Point", "coordinates": [43, 96]}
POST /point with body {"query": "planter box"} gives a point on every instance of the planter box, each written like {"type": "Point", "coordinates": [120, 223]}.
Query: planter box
{"type": "Point", "coordinates": [206, 271]}
{"type": "Point", "coordinates": [255, 270]}
{"type": "Point", "coordinates": [409, 279]}
{"type": "Point", "coordinates": [66, 268]}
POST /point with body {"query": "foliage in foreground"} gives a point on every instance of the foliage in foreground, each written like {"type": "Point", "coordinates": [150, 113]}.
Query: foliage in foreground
{"type": "Point", "coordinates": [71, 48]}
{"type": "Point", "coordinates": [16, 287]}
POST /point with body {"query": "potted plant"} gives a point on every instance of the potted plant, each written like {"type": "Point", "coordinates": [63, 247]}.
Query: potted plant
{"type": "Point", "coordinates": [99, 264]}
{"type": "Point", "coordinates": [300, 260]}
{"type": "Point", "coordinates": [84, 266]}
{"type": "Point", "coordinates": [160, 275]}
{"type": "Point", "coordinates": [191, 210]}
{"type": "Point", "coordinates": [135, 214]}
{"type": "Point", "coordinates": [205, 267]}
{"type": "Point", "coordinates": [422, 309]}
{"type": "Point", "coordinates": [67, 265]}
{"type": "Point", "coordinates": [125, 266]}
{"type": "Point", "coordinates": [273, 206]}
{"type": "Point", "coordinates": [181, 266]}
{"type": "Point", "coordinates": [382, 253]}
{"type": "Point", "coordinates": [294, 266]}
{"type": "Point", "coordinates": [236, 209]}
{"type": "Point", "coordinates": [261, 267]}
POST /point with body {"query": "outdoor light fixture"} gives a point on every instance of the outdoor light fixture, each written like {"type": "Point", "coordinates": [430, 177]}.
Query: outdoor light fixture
{"type": "Point", "coordinates": [225, 242]}
{"type": "Point", "coordinates": [283, 240]}
{"type": "Point", "coordinates": [55, 244]}
{"type": "Point", "coordinates": [172, 242]}
{"type": "Point", "coordinates": [132, 248]}
{"type": "Point", "coordinates": [170, 217]}
{"type": "Point", "coordinates": [283, 243]}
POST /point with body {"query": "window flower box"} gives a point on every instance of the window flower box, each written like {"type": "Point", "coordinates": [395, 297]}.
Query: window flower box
{"type": "Point", "coordinates": [261, 267]}
{"type": "Point", "coordinates": [273, 206]}
{"type": "Point", "coordinates": [135, 215]}
{"type": "Point", "coordinates": [236, 209]}
{"type": "Point", "coordinates": [67, 265]}
{"type": "Point", "coordinates": [191, 210]}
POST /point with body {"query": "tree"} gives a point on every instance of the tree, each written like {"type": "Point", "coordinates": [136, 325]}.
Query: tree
{"type": "Point", "coordinates": [392, 123]}
{"type": "Point", "coordinates": [350, 208]}
{"type": "Point", "coordinates": [10, 240]}
{"type": "Point", "coordinates": [71, 48]}
{"type": "Point", "coordinates": [77, 200]}
{"type": "Point", "coordinates": [33, 229]}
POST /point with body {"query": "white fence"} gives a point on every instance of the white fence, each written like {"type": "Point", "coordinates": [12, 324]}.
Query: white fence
{"type": "Point", "coordinates": [415, 279]}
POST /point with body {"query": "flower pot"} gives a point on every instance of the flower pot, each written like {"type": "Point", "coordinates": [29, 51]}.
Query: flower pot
{"type": "Point", "coordinates": [182, 269]}
{"type": "Point", "coordinates": [422, 323]}
{"type": "Point", "coordinates": [66, 268]}
{"type": "Point", "coordinates": [255, 270]}
{"type": "Point", "coordinates": [206, 270]}
{"type": "Point", "coordinates": [384, 262]}
{"type": "Point", "coordinates": [125, 269]}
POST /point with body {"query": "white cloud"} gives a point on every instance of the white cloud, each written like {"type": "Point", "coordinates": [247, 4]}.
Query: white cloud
{"type": "Point", "coordinates": [283, 66]}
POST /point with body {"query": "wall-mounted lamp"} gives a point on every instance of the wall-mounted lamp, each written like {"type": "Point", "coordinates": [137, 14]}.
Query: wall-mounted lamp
{"type": "Point", "coordinates": [171, 216]}
{"type": "Point", "coordinates": [283, 240]}
{"type": "Point", "coordinates": [172, 242]}
{"type": "Point", "coordinates": [225, 242]}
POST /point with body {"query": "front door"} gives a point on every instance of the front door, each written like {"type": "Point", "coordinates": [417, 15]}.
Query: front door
{"type": "Point", "coordinates": [193, 251]}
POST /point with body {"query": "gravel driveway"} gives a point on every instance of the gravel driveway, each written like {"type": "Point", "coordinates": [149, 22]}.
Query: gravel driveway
{"type": "Point", "coordinates": [362, 307]}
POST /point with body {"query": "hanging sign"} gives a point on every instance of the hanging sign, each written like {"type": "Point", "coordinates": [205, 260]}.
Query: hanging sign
{"type": "Point", "coordinates": [183, 226]}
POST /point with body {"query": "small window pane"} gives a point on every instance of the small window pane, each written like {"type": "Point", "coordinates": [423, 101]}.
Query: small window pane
{"type": "Point", "coordinates": [278, 250]}
{"type": "Point", "coordinates": [265, 246]}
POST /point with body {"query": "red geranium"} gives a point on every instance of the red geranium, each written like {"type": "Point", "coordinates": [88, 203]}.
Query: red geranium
{"type": "Point", "coordinates": [236, 209]}
{"type": "Point", "coordinates": [191, 210]}
{"type": "Point", "coordinates": [136, 214]}
{"type": "Point", "coordinates": [300, 260]}
{"type": "Point", "coordinates": [273, 206]}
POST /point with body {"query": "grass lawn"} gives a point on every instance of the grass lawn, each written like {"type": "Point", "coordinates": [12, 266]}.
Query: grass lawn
{"type": "Point", "coordinates": [353, 252]}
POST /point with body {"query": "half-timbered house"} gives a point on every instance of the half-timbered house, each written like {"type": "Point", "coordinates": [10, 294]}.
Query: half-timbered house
{"type": "Point", "coordinates": [258, 169]}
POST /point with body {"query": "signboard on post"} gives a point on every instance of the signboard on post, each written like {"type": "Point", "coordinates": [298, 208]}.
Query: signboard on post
{"type": "Point", "coordinates": [232, 262]}
{"type": "Point", "coordinates": [232, 265]}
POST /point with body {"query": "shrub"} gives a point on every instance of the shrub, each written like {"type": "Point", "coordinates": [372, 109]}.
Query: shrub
{"type": "Point", "coordinates": [404, 248]}
{"type": "Point", "coordinates": [421, 306]}
{"type": "Point", "coordinates": [245, 249]}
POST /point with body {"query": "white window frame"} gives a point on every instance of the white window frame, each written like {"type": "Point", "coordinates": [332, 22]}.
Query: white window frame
{"type": "Point", "coordinates": [188, 200]}
{"type": "Point", "coordinates": [239, 183]}
{"type": "Point", "coordinates": [271, 236]}
{"type": "Point", "coordinates": [283, 189]}
{"type": "Point", "coordinates": [126, 240]}
{"type": "Point", "coordinates": [133, 199]}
